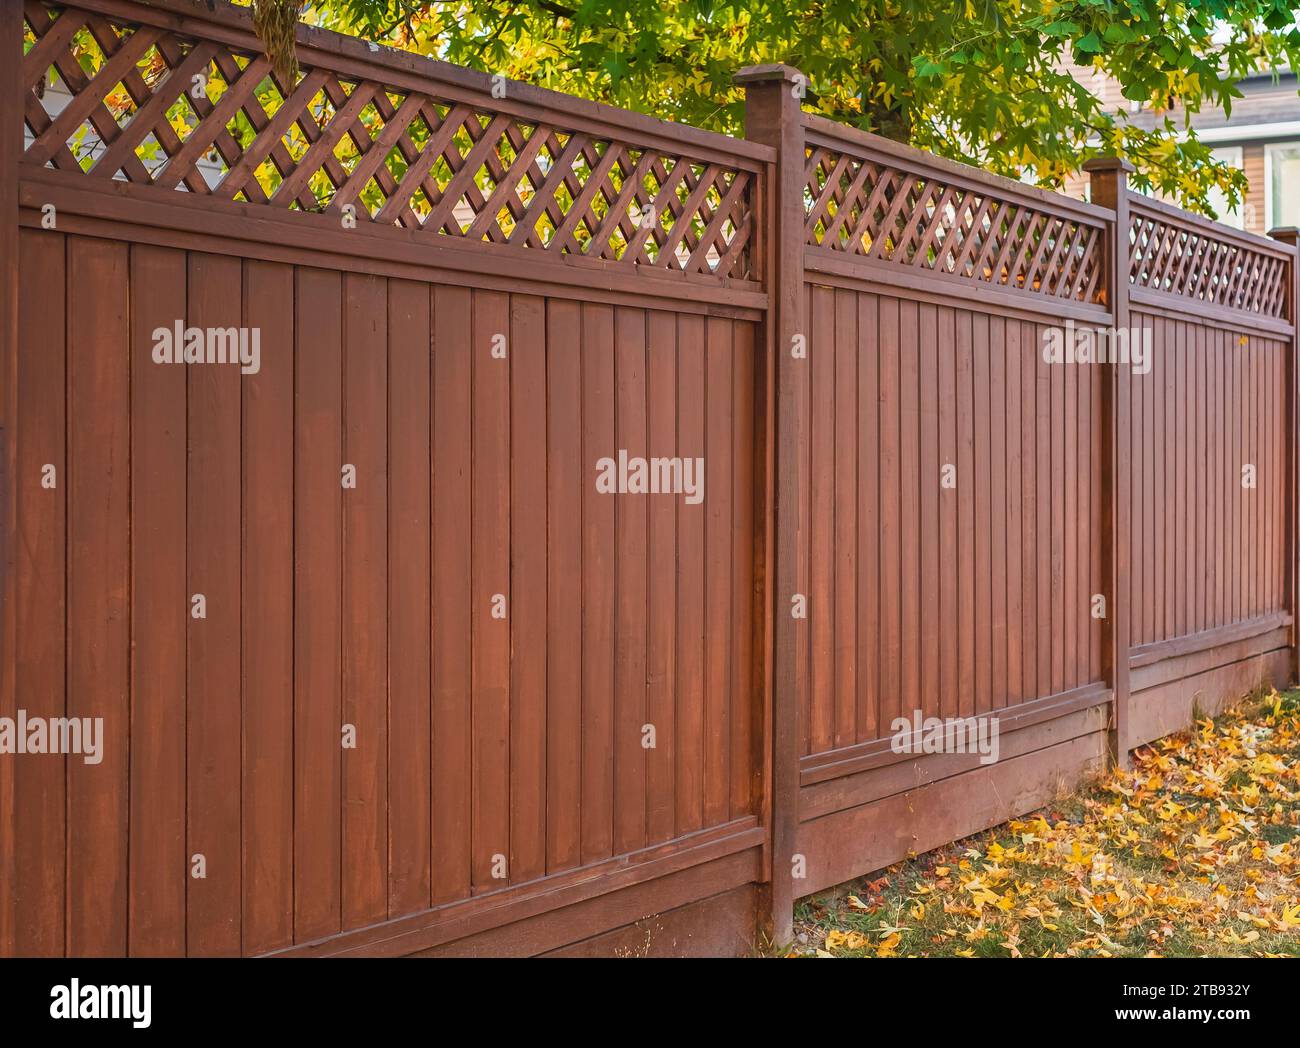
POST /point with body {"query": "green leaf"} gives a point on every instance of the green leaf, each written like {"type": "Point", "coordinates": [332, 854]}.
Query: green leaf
{"type": "Point", "coordinates": [1088, 45]}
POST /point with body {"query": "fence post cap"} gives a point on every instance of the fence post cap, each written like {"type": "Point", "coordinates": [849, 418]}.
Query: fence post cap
{"type": "Point", "coordinates": [1109, 163]}
{"type": "Point", "coordinates": [758, 74]}
{"type": "Point", "coordinates": [1286, 234]}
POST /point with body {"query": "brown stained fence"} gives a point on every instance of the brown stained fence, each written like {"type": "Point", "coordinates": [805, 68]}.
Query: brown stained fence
{"type": "Point", "coordinates": [383, 668]}
{"type": "Point", "coordinates": [1212, 484]}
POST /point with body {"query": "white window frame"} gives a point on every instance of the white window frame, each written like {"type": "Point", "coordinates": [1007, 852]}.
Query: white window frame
{"type": "Point", "coordinates": [1270, 221]}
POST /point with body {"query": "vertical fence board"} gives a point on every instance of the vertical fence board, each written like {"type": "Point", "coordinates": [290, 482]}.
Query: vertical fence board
{"type": "Point", "coordinates": [1232, 365]}
{"type": "Point", "coordinates": [12, 131]}
{"type": "Point", "coordinates": [1082, 479]}
{"type": "Point", "coordinates": [869, 517]}
{"type": "Point", "coordinates": [268, 612]}
{"type": "Point", "coordinates": [317, 612]}
{"type": "Point", "coordinates": [1246, 496]}
{"type": "Point", "coordinates": [745, 702]}
{"type": "Point", "coordinates": [1062, 648]}
{"type": "Point", "coordinates": [821, 464]}
{"type": "Point", "coordinates": [1157, 481]}
{"type": "Point", "coordinates": [982, 684]}
{"type": "Point", "coordinates": [213, 649]}
{"type": "Point", "coordinates": [1012, 541]}
{"type": "Point", "coordinates": [1214, 477]}
{"type": "Point", "coordinates": [661, 546]}
{"type": "Point", "coordinates": [528, 655]}
{"type": "Point", "coordinates": [1277, 394]}
{"type": "Point", "coordinates": [1030, 506]}
{"type": "Point", "coordinates": [928, 480]}
{"type": "Point", "coordinates": [451, 589]}
{"type": "Point", "coordinates": [910, 520]}
{"type": "Point", "coordinates": [845, 608]}
{"type": "Point", "coordinates": [1047, 641]}
{"type": "Point", "coordinates": [1197, 468]}
{"type": "Point", "coordinates": [1178, 537]}
{"type": "Point", "coordinates": [158, 863]}
{"type": "Point", "coordinates": [967, 528]}
{"type": "Point", "coordinates": [1174, 495]}
{"type": "Point", "coordinates": [415, 625]}
{"type": "Point", "coordinates": [490, 580]}
{"type": "Point", "coordinates": [947, 561]}
{"type": "Point", "coordinates": [567, 476]}
{"type": "Point", "coordinates": [1264, 418]}
{"type": "Point", "coordinates": [1075, 615]}
{"type": "Point", "coordinates": [1150, 502]}
{"type": "Point", "coordinates": [891, 643]}
{"type": "Point", "coordinates": [98, 613]}
{"type": "Point", "coordinates": [1099, 540]}
{"type": "Point", "coordinates": [998, 511]}
{"type": "Point", "coordinates": [39, 886]}
{"type": "Point", "coordinates": [631, 584]}
{"type": "Point", "coordinates": [365, 600]}
{"type": "Point", "coordinates": [598, 562]}
{"type": "Point", "coordinates": [719, 402]}
{"type": "Point", "coordinates": [690, 585]}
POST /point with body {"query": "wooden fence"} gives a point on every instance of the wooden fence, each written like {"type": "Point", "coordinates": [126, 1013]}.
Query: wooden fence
{"type": "Point", "coordinates": [383, 668]}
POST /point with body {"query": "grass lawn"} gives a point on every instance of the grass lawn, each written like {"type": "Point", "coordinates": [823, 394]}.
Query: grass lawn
{"type": "Point", "coordinates": [1193, 853]}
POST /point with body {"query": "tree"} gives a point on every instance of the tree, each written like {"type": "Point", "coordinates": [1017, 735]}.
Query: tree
{"type": "Point", "coordinates": [984, 81]}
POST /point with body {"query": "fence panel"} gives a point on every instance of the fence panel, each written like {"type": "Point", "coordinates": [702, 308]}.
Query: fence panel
{"type": "Point", "coordinates": [954, 493]}
{"type": "Point", "coordinates": [436, 608]}
{"type": "Point", "coordinates": [1211, 616]}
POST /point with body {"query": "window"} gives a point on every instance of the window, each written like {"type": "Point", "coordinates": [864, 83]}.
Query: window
{"type": "Point", "coordinates": [1282, 184]}
{"type": "Point", "coordinates": [1230, 155]}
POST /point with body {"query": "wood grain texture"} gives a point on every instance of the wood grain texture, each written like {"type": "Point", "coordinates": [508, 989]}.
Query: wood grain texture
{"type": "Point", "coordinates": [958, 591]}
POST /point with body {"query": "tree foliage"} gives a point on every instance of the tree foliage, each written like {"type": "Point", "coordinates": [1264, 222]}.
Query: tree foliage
{"type": "Point", "coordinates": [984, 81]}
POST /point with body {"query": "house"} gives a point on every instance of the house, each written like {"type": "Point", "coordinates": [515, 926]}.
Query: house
{"type": "Point", "coordinates": [1261, 137]}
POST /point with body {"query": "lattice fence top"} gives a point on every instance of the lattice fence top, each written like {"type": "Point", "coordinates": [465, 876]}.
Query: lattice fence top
{"type": "Point", "coordinates": [1181, 258]}
{"type": "Point", "coordinates": [870, 208]}
{"type": "Point", "coordinates": [109, 99]}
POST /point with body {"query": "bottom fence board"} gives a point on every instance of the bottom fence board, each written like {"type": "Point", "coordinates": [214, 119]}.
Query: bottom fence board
{"type": "Point", "coordinates": [563, 908]}
{"type": "Point", "coordinates": [1170, 707]}
{"type": "Point", "coordinates": [610, 912]}
{"type": "Point", "coordinates": [914, 772]}
{"type": "Point", "coordinates": [859, 840]}
{"type": "Point", "coordinates": [722, 925]}
{"type": "Point", "coordinates": [860, 823]}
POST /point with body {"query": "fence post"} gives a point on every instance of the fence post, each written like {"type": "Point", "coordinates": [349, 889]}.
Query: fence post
{"type": "Point", "coordinates": [1110, 189]}
{"type": "Point", "coordinates": [773, 96]}
{"type": "Point", "coordinates": [1291, 235]}
{"type": "Point", "coordinates": [11, 144]}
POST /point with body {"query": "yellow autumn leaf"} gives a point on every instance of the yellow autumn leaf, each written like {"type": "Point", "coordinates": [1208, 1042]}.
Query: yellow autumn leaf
{"type": "Point", "coordinates": [842, 940]}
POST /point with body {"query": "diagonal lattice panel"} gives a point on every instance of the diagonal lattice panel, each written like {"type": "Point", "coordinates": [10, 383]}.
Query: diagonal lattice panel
{"type": "Point", "coordinates": [1194, 263]}
{"type": "Point", "coordinates": [867, 208]}
{"type": "Point", "coordinates": [110, 99]}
